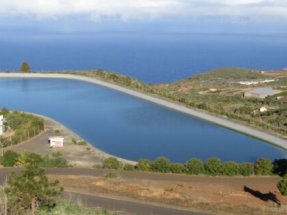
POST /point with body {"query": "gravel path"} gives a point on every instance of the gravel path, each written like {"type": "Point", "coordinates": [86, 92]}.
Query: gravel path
{"type": "Point", "coordinates": [219, 121]}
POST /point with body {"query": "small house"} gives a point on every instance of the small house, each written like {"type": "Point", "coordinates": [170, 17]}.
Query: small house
{"type": "Point", "coordinates": [56, 141]}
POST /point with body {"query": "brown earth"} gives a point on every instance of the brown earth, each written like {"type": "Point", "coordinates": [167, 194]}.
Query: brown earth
{"type": "Point", "coordinates": [216, 195]}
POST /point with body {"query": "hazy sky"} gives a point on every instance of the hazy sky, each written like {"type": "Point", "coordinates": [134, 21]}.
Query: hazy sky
{"type": "Point", "coordinates": [239, 16]}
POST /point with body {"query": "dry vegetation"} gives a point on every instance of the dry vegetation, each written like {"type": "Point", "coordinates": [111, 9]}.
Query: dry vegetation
{"type": "Point", "coordinates": [218, 197]}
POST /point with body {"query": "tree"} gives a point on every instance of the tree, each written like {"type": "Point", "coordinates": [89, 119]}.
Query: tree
{"type": "Point", "coordinates": [282, 185]}
{"type": "Point", "coordinates": [30, 190]}
{"type": "Point", "coordinates": [230, 169]}
{"type": "Point", "coordinates": [246, 169]}
{"type": "Point", "coordinates": [25, 68]}
{"type": "Point", "coordinates": [144, 165]}
{"type": "Point", "coordinates": [177, 168]}
{"type": "Point", "coordinates": [263, 167]}
{"type": "Point", "coordinates": [112, 163]}
{"type": "Point", "coordinates": [213, 166]}
{"type": "Point", "coordinates": [194, 166]}
{"type": "Point", "coordinates": [162, 164]}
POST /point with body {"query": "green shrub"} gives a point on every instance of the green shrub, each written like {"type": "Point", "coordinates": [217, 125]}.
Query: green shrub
{"type": "Point", "coordinates": [246, 169]}
{"type": "Point", "coordinates": [129, 167]}
{"type": "Point", "coordinates": [177, 168]}
{"type": "Point", "coordinates": [194, 167]}
{"type": "Point", "coordinates": [57, 131]}
{"type": "Point", "coordinates": [112, 163]}
{"type": "Point", "coordinates": [9, 158]}
{"type": "Point", "coordinates": [54, 162]}
{"type": "Point", "coordinates": [213, 166]}
{"type": "Point", "coordinates": [161, 164]}
{"type": "Point", "coordinates": [56, 154]}
{"type": "Point", "coordinates": [230, 169]}
{"type": "Point", "coordinates": [263, 166]}
{"type": "Point", "coordinates": [144, 165]}
{"type": "Point", "coordinates": [282, 186]}
{"type": "Point", "coordinates": [74, 141]}
{"type": "Point", "coordinates": [82, 143]}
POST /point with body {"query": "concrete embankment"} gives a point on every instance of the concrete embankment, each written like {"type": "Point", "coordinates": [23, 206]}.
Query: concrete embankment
{"type": "Point", "coordinates": [216, 120]}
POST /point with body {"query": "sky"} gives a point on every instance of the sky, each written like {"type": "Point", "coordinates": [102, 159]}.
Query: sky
{"type": "Point", "coordinates": [156, 16]}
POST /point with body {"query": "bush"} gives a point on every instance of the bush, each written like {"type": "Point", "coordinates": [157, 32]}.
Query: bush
{"type": "Point", "coordinates": [213, 166]}
{"type": "Point", "coordinates": [230, 169]}
{"type": "Point", "coordinates": [282, 186]}
{"type": "Point", "coordinates": [161, 164]}
{"type": "Point", "coordinates": [246, 169]}
{"type": "Point", "coordinates": [129, 167]}
{"type": "Point", "coordinates": [194, 167]}
{"type": "Point", "coordinates": [54, 162]}
{"type": "Point", "coordinates": [144, 165]}
{"type": "Point", "coordinates": [263, 167]}
{"type": "Point", "coordinates": [56, 154]}
{"type": "Point", "coordinates": [82, 143]}
{"type": "Point", "coordinates": [9, 158]}
{"type": "Point", "coordinates": [112, 163]}
{"type": "Point", "coordinates": [177, 168]}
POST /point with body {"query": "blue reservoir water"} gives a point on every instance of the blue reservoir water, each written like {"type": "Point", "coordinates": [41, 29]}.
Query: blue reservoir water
{"type": "Point", "coordinates": [128, 127]}
{"type": "Point", "coordinates": [150, 58]}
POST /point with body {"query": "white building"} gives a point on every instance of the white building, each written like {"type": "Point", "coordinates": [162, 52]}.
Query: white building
{"type": "Point", "coordinates": [56, 141]}
{"type": "Point", "coordinates": [3, 126]}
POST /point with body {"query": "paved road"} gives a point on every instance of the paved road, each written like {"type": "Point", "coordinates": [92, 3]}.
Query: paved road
{"type": "Point", "coordinates": [130, 207]}
{"type": "Point", "coordinates": [219, 121]}
{"type": "Point", "coordinates": [127, 206]}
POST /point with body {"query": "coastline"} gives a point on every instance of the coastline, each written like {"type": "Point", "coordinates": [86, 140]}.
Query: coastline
{"type": "Point", "coordinates": [201, 115]}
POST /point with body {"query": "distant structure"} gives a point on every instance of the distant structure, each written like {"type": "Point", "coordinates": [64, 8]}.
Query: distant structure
{"type": "Point", "coordinates": [256, 82]}
{"type": "Point", "coordinates": [261, 93]}
{"type": "Point", "coordinates": [56, 141]}
{"type": "Point", "coordinates": [3, 126]}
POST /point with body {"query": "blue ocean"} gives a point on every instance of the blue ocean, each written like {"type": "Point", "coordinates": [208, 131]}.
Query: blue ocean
{"type": "Point", "coordinates": [151, 58]}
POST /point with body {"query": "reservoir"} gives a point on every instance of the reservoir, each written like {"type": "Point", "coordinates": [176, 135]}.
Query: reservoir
{"type": "Point", "coordinates": [128, 127]}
